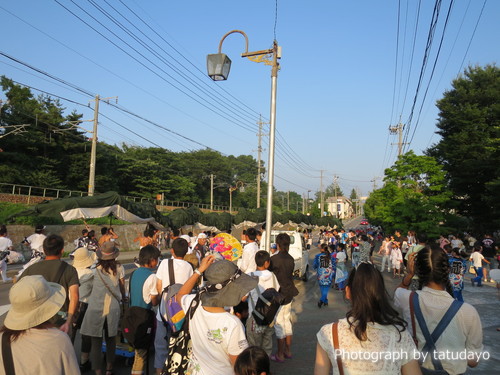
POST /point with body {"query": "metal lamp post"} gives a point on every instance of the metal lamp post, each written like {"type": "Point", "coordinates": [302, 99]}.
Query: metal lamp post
{"type": "Point", "coordinates": [218, 66]}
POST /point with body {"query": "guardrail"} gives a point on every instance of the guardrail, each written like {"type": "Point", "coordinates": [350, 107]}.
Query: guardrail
{"type": "Point", "coordinates": [44, 192]}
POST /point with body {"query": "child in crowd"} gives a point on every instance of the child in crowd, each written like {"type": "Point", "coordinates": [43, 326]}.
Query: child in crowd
{"type": "Point", "coordinates": [396, 259]}
{"type": "Point", "coordinates": [324, 266]}
{"type": "Point", "coordinates": [252, 361]}
{"type": "Point", "coordinates": [144, 293]}
{"type": "Point", "coordinates": [355, 254]}
{"type": "Point", "coordinates": [241, 311]}
{"type": "Point", "coordinates": [341, 273]}
{"type": "Point", "coordinates": [261, 336]}
{"type": "Point", "coordinates": [458, 265]}
{"type": "Point", "coordinates": [182, 272]}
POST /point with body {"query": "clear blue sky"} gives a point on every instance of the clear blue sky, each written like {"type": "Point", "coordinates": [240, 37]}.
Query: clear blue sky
{"type": "Point", "coordinates": [336, 87]}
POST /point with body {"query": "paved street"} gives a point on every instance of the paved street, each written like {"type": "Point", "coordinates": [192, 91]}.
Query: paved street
{"type": "Point", "coordinates": [309, 319]}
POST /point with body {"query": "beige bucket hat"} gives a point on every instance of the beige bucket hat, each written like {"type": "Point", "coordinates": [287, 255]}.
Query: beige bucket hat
{"type": "Point", "coordinates": [33, 301]}
{"type": "Point", "coordinates": [83, 258]}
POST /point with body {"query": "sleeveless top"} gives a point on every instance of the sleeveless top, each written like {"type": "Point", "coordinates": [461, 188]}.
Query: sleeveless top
{"type": "Point", "coordinates": [137, 280]}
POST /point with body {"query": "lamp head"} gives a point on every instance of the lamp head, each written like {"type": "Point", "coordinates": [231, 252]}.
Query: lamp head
{"type": "Point", "coordinates": [218, 66]}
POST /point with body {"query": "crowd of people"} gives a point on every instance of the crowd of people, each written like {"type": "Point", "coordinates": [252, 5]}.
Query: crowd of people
{"type": "Point", "coordinates": [52, 300]}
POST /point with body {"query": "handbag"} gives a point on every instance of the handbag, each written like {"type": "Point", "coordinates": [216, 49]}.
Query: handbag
{"type": "Point", "coordinates": [79, 314]}
{"type": "Point", "coordinates": [430, 339]}
{"type": "Point", "coordinates": [472, 270]}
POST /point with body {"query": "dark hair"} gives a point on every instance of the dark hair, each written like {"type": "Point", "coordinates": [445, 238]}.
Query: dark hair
{"type": "Point", "coordinates": [370, 302]}
{"type": "Point", "coordinates": [91, 233]}
{"type": "Point", "coordinates": [15, 334]}
{"type": "Point", "coordinates": [240, 307]}
{"type": "Point", "coordinates": [180, 247]}
{"type": "Point", "coordinates": [190, 234]}
{"type": "Point", "coordinates": [283, 241]}
{"type": "Point", "coordinates": [432, 265]}
{"type": "Point", "coordinates": [3, 230]}
{"type": "Point", "coordinates": [422, 238]}
{"type": "Point", "coordinates": [447, 248]}
{"type": "Point", "coordinates": [175, 232]}
{"type": "Point", "coordinates": [262, 257]}
{"type": "Point", "coordinates": [53, 245]}
{"type": "Point", "coordinates": [108, 265]}
{"type": "Point", "coordinates": [341, 246]}
{"type": "Point", "coordinates": [477, 247]}
{"type": "Point", "coordinates": [84, 232]}
{"type": "Point", "coordinates": [251, 234]}
{"type": "Point", "coordinates": [147, 254]}
{"type": "Point", "coordinates": [364, 237]}
{"type": "Point", "coordinates": [252, 361]}
{"type": "Point", "coordinates": [104, 231]}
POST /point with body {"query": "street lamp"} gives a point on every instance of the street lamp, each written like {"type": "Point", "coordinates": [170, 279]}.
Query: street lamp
{"type": "Point", "coordinates": [218, 66]}
{"type": "Point", "coordinates": [239, 185]}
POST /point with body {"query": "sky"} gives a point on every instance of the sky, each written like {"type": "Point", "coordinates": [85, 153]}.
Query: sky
{"type": "Point", "coordinates": [349, 70]}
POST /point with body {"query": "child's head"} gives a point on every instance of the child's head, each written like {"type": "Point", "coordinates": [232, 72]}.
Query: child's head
{"type": "Point", "coordinates": [341, 247]}
{"type": "Point", "coordinates": [262, 260]}
{"type": "Point", "coordinates": [447, 248]}
{"type": "Point", "coordinates": [252, 361]}
{"type": "Point", "coordinates": [251, 234]}
{"type": "Point", "coordinates": [180, 247]}
{"type": "Point", "coordinates": [148, 256]}
{"type": "Point", "coordinates": [323, 248]}
{"type": "Point", "coordinates": [241, 311]}
{"type": "Point", "coordinates": [455, 252]}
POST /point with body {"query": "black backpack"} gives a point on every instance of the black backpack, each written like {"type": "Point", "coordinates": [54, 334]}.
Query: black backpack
{"type": "Point", "coordinates": [138, 325]}
{"type": "Point", "coordinates": [267, 306]}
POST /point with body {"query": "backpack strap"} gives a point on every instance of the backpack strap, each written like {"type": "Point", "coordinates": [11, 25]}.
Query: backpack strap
{"type": "Point", "coordinates": [8, 361]}
{"type": "Point", "coordinates": [430, 339]}
{"type": "Point", "coordinates": [335, 334]}
{"type": "Point", "coordinates": [412, 314]}
{"type": "Point", "coordinates": [60, 272]}
{"type": "Point", "coordinates": [171, 273]}
{"type": "Point", "coordinates": [130, 287]}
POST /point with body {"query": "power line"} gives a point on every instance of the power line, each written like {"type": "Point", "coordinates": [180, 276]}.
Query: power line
{"type": "Point", "coordinates": [472, 37]}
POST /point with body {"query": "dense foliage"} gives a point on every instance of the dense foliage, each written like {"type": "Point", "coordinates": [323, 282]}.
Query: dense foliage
{"type": "Point", "coordinates": [469, 149]}
{"type": "Point", "coordinates": [414, 196]}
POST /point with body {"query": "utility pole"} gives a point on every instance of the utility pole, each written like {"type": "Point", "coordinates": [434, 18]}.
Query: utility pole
{"type": "Point", "coordinates": [321, 194]}
{"type": "Point", "coordinates": [288, 201]}
{"type": "Point", "coordinates": [259, 151]}
{"type": "Point", "coordinates": [335, 177]}
{"type": "Point", "coordinates": [398, 130]}
{"type": "Point", "coordinates": [303, 203]}
{"type": "Point", "coordinates": [374, 182]}
{"type": "Point", "coordinates": [93, 152]}
{"type": "Point", "coordinates": [211, 192]}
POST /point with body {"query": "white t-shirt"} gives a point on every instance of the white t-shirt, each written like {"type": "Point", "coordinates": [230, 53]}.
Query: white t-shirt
{"type": "Point", "coordinates": [36, 241]}
{"type": "Point", "coordinates": [463, 333]}
{"type": "Point", "coordinates": [5, 243]}
{"type": "Point", "coordinates": [267, 280]}
{"type": "Point", "coordinates": [214, 336]}
{"type": "Point", "coordinates": [182, 272]}
{"type": "Point", "coordinates": [248, 258]}
{"type": "Point", "coordinates": [43, 352]}
{"type": "Point", "coordinates": [382, 340]}
{"type": "Point", "coordinates": [477, 258]}
{"type": "Point", "coordinates": [149, 288]}
{"type": "Point", "coordinates": [341, 257]}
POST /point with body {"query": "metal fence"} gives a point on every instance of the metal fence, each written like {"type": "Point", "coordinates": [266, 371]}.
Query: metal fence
{"type": "Point", "coordinates": [44, 192]}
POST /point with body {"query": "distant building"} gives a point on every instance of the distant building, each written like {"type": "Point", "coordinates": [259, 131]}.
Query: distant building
{"type": "Point", "coordinates": [340, 207]}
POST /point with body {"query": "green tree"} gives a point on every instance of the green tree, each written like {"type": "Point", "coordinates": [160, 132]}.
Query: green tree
{"type": "Point", "coordinates": [469, 149]}
{"type": "Point", "coordinates": [414, 196]}
{"type": "Point", "coordinates": [354, 199]}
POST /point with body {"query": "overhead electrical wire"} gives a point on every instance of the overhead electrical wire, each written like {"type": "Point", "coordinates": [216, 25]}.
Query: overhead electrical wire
{"type": "Point", "coordinates": [123, 78]}
{"type": "Point", "coordinates": [155, 53]}
{"type": "Point", "coordinates": [198, 100]}
{"type": "Point", "coordinates": [472, 37]}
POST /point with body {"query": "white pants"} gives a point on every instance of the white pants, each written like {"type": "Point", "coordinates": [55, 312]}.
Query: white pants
{"type": "Point", "coordinates": [3, 270]}
{"type": "Point", "coordinates": [283, 322]}
{"type": "Point", "coordinates": [385, 259]}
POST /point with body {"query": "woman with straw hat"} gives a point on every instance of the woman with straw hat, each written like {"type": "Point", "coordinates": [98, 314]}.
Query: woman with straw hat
{"type": "Point", "coordinates": [36, 345]}
{"type": "Point", "coordinates": [103, 312]}
{"type": "Point", "coordinates": [83, 259]}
